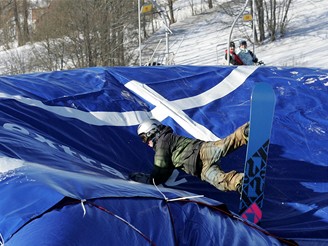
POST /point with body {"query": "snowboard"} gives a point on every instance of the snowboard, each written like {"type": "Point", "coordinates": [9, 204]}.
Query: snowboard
{"type": "Point", "coordinates": [261, 118]}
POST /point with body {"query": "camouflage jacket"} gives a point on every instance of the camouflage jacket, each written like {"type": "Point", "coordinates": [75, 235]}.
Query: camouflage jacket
{"type": "Point", "coordinates": [174, 151]}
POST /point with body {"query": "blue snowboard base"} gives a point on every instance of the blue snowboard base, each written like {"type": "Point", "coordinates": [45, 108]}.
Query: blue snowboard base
{"type": "Point", "coordinates": [261, 118]}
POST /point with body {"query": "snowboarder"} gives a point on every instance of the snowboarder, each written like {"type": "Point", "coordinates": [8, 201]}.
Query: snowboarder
{"type": "Point", "coordinates": [194, 156]}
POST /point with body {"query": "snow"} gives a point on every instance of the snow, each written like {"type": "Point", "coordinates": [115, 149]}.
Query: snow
{"type": "Point", "coordinates": [9, 164]}
{"type": "Point", "coordinates": [201, 39]}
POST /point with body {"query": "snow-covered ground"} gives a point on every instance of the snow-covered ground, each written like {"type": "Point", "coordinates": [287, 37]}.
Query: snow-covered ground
{"type": "Point", "coordinates": [202, 39]}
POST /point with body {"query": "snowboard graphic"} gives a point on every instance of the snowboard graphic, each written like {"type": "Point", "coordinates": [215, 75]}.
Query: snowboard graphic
{"type": "Point", "coordinates": [261, 117]}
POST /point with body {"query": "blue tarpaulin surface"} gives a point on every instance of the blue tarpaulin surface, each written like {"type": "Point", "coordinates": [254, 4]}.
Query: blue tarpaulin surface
{"type": "Point", "coordinates": [68, 143]}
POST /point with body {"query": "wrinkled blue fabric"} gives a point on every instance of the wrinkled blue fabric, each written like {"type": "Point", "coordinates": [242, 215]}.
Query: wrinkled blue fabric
{"type": "Point", "coordinates": [58, 142]}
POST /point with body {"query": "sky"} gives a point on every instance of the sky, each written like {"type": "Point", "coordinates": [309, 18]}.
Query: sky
{"type": "Point", "coordinates": [202, 39]}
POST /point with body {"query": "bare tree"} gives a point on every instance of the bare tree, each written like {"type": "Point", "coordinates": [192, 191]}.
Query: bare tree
{"type": "Point", "coordinates": [17, 23]}
{"type": "Point", "coordinates": [260, 20]}
{"type": "Point", "coordinates": [276, 17]}
{"type": "Point", "coordinates": [210, 4]}
{"type": "Point", "coordinates": [284, 18]}
{"type": "Point", "coordinates": [86, 33]}
{"type": "Point", "coordinates": [171, 12]}
{"type": "Point", "coordinates": [20, 14]}
{"type": "Point", "coordinates": [25, 28]}
{"type": "Point", "coordinates": [7, 33]}
{"type": "Point", "coordinates": [14, 22]}
{"type": "Point", "coordinates": [271, 17]}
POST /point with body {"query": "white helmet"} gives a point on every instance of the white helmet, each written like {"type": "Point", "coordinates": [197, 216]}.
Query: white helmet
{"type": "Point", "coordinates": [148, 129]}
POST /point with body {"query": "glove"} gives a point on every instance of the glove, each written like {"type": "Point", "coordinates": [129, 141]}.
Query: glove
{"type": "Point", "coordinates": [140, 177]}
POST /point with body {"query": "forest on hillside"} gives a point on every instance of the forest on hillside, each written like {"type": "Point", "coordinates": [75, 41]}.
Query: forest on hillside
{"type": "Point", "coordinates": [49, 35]}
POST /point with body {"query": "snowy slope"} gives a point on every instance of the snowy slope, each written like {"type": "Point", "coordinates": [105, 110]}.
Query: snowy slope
{"type": "Point", "coordinates": [202, 39]}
